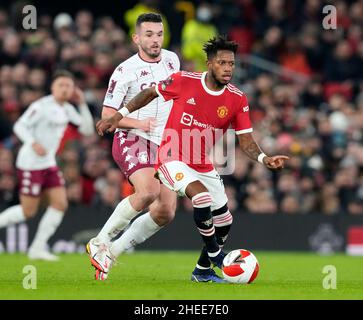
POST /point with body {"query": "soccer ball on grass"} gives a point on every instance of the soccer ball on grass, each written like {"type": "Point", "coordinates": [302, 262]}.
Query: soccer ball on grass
{"type": "Point", "coordinates": [240, 266]}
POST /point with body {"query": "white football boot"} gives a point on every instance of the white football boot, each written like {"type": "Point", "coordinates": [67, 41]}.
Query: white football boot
{"type": "Point", "coordinates": [99, 275]}
{"type": "Point", "coordinates": [101, 258]}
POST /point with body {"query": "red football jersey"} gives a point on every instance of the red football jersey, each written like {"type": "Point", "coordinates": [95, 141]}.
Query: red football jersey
{"type": "Point", "coordinates": [198, 118]}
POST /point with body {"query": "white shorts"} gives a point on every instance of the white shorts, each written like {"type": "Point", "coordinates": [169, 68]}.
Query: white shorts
{"type": "Point", "coordinates": [176, 176]}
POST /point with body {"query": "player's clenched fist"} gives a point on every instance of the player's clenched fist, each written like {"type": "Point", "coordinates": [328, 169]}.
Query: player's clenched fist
{"type": "Point", "coordinates": [104, 125]}
{"type": "Point", "coordinates": [109, 124]}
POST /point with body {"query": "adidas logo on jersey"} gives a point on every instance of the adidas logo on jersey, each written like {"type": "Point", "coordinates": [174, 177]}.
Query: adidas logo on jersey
{"type": "Point", "coordinates": [191, 101]}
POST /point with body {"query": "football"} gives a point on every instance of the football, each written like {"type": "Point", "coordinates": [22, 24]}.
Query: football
{"type": "Point", "coordinates": [240, 266]}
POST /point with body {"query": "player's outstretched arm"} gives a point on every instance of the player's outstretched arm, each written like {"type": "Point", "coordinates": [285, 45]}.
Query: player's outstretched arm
{"type": "Point", "coordinates": [146, 125]}
{"type": "Point", "coordinates": [254, 152]}
{"type": "Point", "coordinates": [139, 101]}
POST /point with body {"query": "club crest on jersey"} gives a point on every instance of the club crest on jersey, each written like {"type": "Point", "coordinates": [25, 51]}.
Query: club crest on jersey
{"type": "Point", "coordinates": [170, 66]}
{"type": "Point", "coordinates": [222, 111]}
{"type": "Point", "coordinates": [166, 83]}
{"type": "Point", "coordinates": [179, 176]}
{"type": "Point", "coordinates": [143, 157]}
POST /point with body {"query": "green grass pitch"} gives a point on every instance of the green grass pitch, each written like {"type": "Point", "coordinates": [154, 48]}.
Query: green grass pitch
{"type": "Point", "coordinates": [166, 275]}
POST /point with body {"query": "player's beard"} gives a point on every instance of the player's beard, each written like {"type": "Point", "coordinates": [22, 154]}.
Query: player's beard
{"type": "Point", "coordinates": [218, 83]}
{"type": "Point", "coordinates": [151, 53]}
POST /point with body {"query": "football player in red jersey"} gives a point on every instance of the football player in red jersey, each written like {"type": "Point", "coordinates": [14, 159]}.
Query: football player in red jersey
{"type": "Point", "coordinates": [202, 103]}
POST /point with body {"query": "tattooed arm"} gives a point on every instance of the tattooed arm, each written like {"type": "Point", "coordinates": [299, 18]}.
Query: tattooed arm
{"type": "Point", "coordinates": [253, 151]}
{"type": "Point", "coordinates": [139, 101]}
{"type": "Point", "coordinates": [249, 146]}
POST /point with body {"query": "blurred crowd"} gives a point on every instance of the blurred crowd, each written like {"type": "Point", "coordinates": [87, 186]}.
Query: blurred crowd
{"type": "Point", "coordinates": [304, 84]}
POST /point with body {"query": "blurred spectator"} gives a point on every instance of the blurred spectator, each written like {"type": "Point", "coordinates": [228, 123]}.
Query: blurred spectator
{"type": "Point", "coordinates": [259, 201]}
{"type": "Point", "coordinates": [8, 194]}
{"type": "Point", "coordinates": [319, 123]}
{"type": "Point", "coordinates": [74, 193]}
{"type": "Point", "coordinates": [355, 207]}
{"type": "Point", "coordinates": [329, 201]}
{"type": "Point", "coordinates": [194, 34]}
{"type": "Point", "coordinates": [275, 15]}
{"type": "Point", "coordinates": [10, 53]}
{"type": "Point", "coordinates": [143, 6]}
{"type": "Point", "coordinates": [108, 197]}
{"type": "Point", "coordinates": [342, 64]}
{"type": "Point", "coordinates": [290, 204]}
{"type": "Point", "coordinates": [294, 58]}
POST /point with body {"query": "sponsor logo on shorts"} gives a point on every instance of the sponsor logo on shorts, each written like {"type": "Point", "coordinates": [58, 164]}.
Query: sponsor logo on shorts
{"type": "Point", "coordinates": [179, 176]}
{"type": "Point", "coordinates": [222, 112]}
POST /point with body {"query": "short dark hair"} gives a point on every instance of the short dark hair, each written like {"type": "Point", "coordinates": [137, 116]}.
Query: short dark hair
{"type": "Point", "coordinates": [148, 17]}
{"type": "Point", "coordinates": [219, 43]}
{"type": "Point", "coordinates": [62, 73]}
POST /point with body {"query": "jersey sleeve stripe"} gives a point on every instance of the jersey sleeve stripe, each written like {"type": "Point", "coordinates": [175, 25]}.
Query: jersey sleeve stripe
{"type": "Point", "coordinates": [192, 77]}
{"type": "Point", "coordinates": [158, 92]}
{"type": "Point", "coordinates": [244, 131]}
{"type": "Point", "coordinates": [192, 74]}
{"type": "Point", "coordinates": [237, 92]}
{"type": "Point", "coordinates": [234, 90]}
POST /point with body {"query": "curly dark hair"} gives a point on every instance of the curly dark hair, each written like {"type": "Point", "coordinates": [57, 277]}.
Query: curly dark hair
{"type": "Point", "coordinates": [219, 43]}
